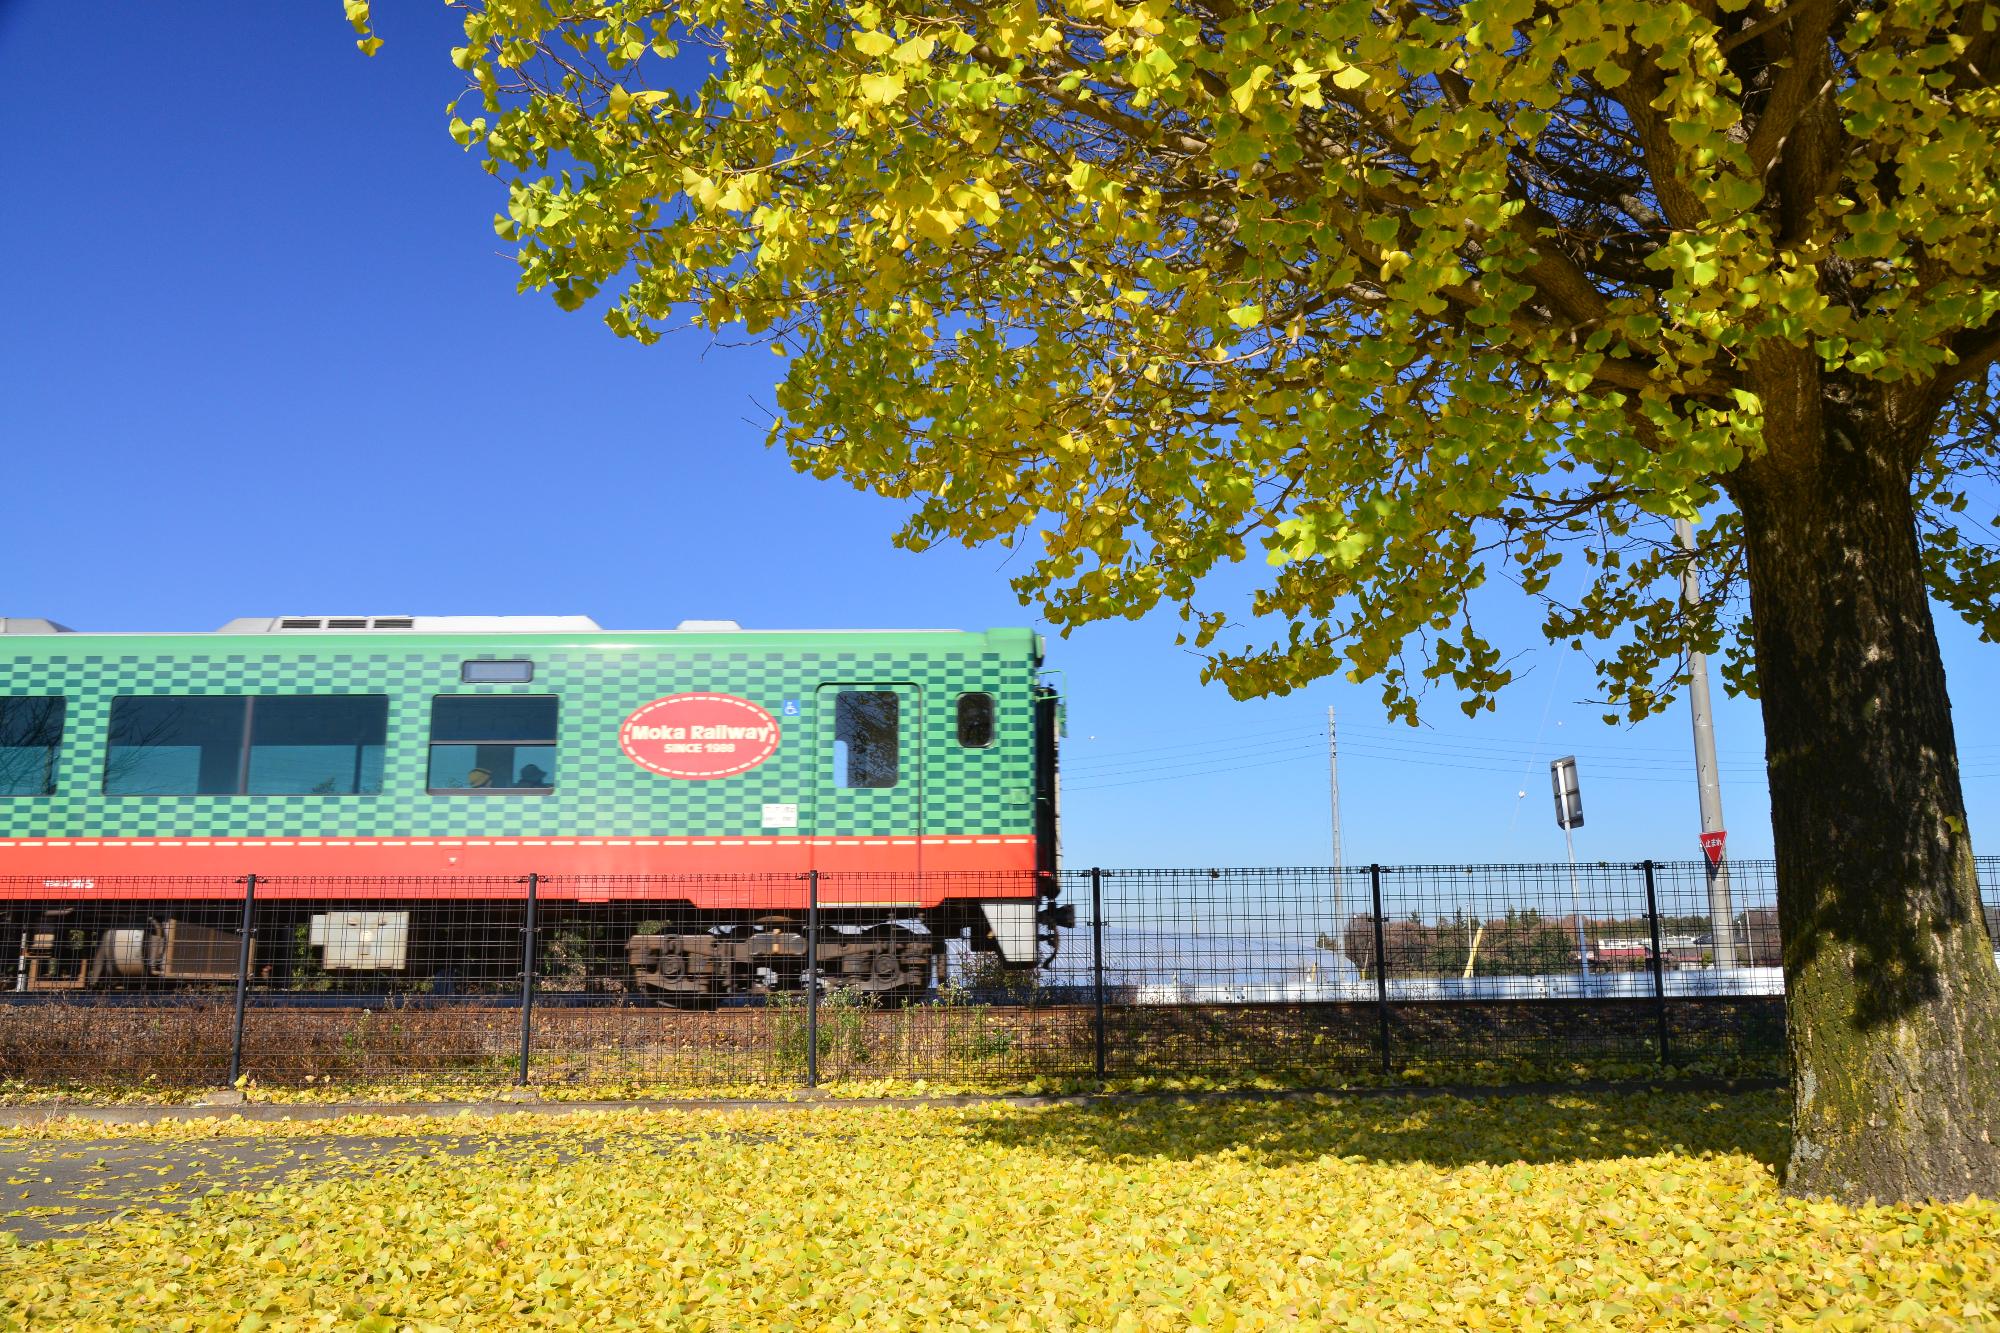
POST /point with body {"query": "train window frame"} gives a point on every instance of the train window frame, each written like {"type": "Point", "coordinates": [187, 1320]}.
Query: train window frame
{"type": "Point", "coordinates": [240, 746]}
{"type": "Point", "coordinates": [485, 671]}
{"type": "Point", "coordinates": [52, 749]}
{"type": "Point", "coordinates": [551, 744]}
{"type": "Point", "coordinates": [992, 720]}
{"type": "Point", "coordinates": [845, 754]}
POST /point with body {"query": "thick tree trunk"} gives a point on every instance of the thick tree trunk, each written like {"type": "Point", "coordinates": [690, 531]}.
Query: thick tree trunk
{"type": "Point", "coordinates": [1893, 995]}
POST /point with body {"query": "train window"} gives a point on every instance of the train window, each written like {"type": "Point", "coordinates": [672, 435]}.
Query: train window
{"type": "Point", "coordinates": [493, 742]}
{"type": "Point", "coordinates": [31, 728]}
{"type": "Point", "coordinates": [317, 745]}
{"type": "Point", "coordinates": [166, 745]}
{"type": "Point", "coordinates": [496, 673]}
{"type": "Point", "coordinates": [866, 748]}
{"type": "Point", "coordinates": [975, 721]}
{"type": "Point", "coordinates": [298, 745]}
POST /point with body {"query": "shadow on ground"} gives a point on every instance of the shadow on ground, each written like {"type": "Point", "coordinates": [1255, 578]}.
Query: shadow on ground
{"type": "Point", "coordinates": [1441, 1131]}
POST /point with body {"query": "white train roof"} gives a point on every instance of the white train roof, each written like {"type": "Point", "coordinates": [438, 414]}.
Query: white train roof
{"type": "Point", "coordinates": [428, 624]}
{"type": "Point", "coordinates": [25, 625]}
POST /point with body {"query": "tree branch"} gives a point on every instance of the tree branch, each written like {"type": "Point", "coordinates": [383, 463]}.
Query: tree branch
{"type": "Point", "coordinates": [1779, 19]}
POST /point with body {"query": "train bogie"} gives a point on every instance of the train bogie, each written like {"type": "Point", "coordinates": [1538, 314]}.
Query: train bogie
{"type": "Point", "coordinates": [774, 958]}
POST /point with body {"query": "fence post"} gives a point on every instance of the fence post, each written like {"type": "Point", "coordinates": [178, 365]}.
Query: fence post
{"type": "Point", "coordinates": [1097, 959]}
{"type": "Point", "coordinates": [1381, 964]}
{"type": "Point", "coordinates": [812, 978]}
{"type": "Point", "coordinates": [1659, 964]}
{"type": "Point", "coordinates": [243, 948]}
{"type": "Point", "coordinates": [528, 980]}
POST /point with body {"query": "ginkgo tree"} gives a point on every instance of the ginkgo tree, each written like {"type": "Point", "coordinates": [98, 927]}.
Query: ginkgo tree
{"type": "Point", "coordinates": [1401, 297]}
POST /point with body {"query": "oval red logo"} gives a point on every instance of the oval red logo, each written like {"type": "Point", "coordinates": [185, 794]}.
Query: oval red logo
{"type": "Point", "coordinates": [699, 736]}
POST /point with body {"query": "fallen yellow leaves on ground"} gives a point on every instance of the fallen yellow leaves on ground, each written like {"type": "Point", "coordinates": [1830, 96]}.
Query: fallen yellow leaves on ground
{"type": "Point", "coordinates": [1633, 1210]}
{"type": "Point", "coordinates": [488, 1086]}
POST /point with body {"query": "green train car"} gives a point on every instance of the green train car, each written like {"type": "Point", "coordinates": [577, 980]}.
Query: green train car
{"type": "Point", "coordinates": [683, 780]}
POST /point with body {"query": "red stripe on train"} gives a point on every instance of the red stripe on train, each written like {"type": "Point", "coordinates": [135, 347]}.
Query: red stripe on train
{"type": "Point", "coordinates": [914, 871]}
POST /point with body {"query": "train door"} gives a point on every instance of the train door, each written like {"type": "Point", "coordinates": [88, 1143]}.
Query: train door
{"type": "Point", "coordinates": [868, 794]}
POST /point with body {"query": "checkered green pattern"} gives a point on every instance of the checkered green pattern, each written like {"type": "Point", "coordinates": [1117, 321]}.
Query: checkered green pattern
{"type": "Point", "coordinates": [599, 680]}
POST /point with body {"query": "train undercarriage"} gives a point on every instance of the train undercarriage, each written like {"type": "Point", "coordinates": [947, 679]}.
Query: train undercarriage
{"type": "Point", "coordinates": [886, 959]}
{"type": "Point", "coordinates": [680, 958]}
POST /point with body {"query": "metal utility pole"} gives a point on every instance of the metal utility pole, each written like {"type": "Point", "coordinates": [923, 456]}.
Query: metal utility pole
{"type": "Point", "coordinates": [1721, 912]}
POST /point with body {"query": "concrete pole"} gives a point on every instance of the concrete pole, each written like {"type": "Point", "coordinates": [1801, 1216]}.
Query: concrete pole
{"type": "Point", "coordinates": [1721, 913]}
{"type": "Point", "coordinates": [1333, 784]}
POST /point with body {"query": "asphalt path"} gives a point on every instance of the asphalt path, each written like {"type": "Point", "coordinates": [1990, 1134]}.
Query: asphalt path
{"type": "Point", "coordinates": [56, 1187]}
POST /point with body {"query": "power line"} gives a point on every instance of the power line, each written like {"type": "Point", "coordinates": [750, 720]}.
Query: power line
{"type": "Point", "coordinates": [1614, 774]}
{"type": "Point", "coordinates": [1535, 746]}
{"type": "Point", "coordinates": [1500, 738]}
{"type": "Point", "coordinates": [1478, 755]}
{"type": "Point", "coordinates": [1469, 757]}
{"type": "Point", "coordinates": [1222, 732]}
{"type": "Point", "coordinates": [1220, 752]}
{"type": "Point", "coordinates": [1203, 771]}
{"type": "Point", "coordinates": [1181, 777]}
{"type": "Point", "coordinates": [1247, 740]}
{"type": "Point", "coordinates": [1579, 747]}
{"type": "Point", "coordinates": [1596, 762]}
{"type": "Point", "coordinates": [1202, 761]}
{"type": "Point", "coordinates": [1426, 743]}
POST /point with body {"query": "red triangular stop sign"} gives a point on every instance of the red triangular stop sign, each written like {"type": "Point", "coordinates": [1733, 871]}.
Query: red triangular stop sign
{"type": "Point", "coordinates": [1711, 846]}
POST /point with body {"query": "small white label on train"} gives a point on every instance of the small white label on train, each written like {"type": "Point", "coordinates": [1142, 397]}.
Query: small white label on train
{"type": "Point", "coordinates": [781, 816]}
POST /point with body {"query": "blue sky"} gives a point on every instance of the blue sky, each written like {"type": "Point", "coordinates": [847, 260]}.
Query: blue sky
{"type": "Point", "coordinates": [264, 356]}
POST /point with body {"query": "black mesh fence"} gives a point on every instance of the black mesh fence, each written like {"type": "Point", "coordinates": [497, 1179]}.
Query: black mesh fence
{"type": "Point", "coordinates": [383, 980]}
{"type": "Point", "coordinates": [694, 981]}
{"type": "Point", "coordinates": [1298, 977]}
{"type": "Point", "coordinates": [124, 983]}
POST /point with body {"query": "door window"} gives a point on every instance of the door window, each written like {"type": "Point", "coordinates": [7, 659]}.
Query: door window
{"type": "Point", "coordinates": [867, 751]}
